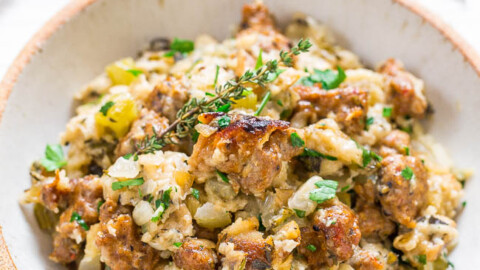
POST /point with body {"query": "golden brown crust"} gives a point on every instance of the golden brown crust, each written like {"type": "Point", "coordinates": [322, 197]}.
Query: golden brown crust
{"type": "Point", "coordinates": [348, 104]}
{"type": "Point", "coordinates": [167, 98]}
{"type": "Point", "coordinates": [373, 224]}
{"type": "Point", "coordinates": [250, 151]}
{"type": "Point", "coordinates": [196, 254]}
{"type": "Point", "coordinates": [402, 198]}
{"type": "Point", "coordinates": [124, 250]}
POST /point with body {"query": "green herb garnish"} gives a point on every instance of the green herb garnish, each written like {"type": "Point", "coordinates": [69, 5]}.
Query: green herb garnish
{"type": "Point", "coordinates": [407, 150]}
{"type": "Point", "coordinates": [296, 140]}
{"type": "Point", "coordinates": [128, 156]}
{"type": "Point", "coordinates": [369, 122]}
{"type": "Point", "coordinates": [217, 69]}
{"type": "Point", "coordinates": [224, 121]}
{"type": "Point", "coordinates": [224, 108]}
{"type": "Point", "coordinates": [99, 204]}
{"type": "Point", "coordinates": [76, 217]}
{"type": "Point", "coordinates": [135, 72]}
{"type": "Point", "coordinates": [422, 259]}
{"type": "Point", "coordinates": [265, 99]}
{"type": "Point", "coordinates": [328, 78]}
{"type": "Point", "coordinates": [259, 63]}
{"type": "Point", "coordinates": [300, 213]}
{"type": "Point", "coordinates": [307, 152]}
{"type": "Point", "coordinates": [312, 248]}
{"type": "Point", "coordinates": [326, 190]}
{"type": "Point", "coordinates": [209, 94]}
{"type": "Point", "coordinates": [178, 244]}
{"type": "Point", "coordinates": [387, 112]}
{"type": "Point", "coordinates": [407, 173]}
{"type": "Point", "coordinates": [104, 109]}
{"type": "Point", "coordinates": [54, 158]}
{"type": "Point", "coordinates": [121, 184]}
{"type": "Point", "coordinates": [195, 193]}
{"type": "Point", "coordinates": [181, 46]}
{"type": "Point", "coordinates": [223, 176]}
{"type": "Point", "coordinates": [280, 103]}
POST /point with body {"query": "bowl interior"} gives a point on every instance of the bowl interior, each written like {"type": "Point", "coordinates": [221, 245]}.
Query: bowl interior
{"type": "Point", "coordinates": [40, 102]}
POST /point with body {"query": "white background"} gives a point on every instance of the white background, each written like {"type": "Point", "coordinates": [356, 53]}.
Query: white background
{"type": "Point", "coordinates": [20, 19]}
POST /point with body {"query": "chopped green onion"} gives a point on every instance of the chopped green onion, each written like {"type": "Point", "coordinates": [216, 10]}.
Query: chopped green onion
{"type": "Point", "coordinates": [265, 99]}
{"type": "Point", "coordinates": [121, 184]}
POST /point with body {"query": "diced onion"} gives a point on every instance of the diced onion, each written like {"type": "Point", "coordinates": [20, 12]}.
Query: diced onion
{"type": "Point", "coordinates": [205, 130]}
{"type": "Point", "coordinates": [124, 168]}
{"type": "Point", "coordinates": [211, 216]}
{"type": "Point", "coordinates": [142, 213]}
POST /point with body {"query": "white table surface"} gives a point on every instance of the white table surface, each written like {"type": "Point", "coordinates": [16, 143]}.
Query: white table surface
{"type": "Point", "coordinates": [20, 19]}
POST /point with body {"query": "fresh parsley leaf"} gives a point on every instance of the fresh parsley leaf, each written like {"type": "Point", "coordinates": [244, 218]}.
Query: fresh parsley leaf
{"type": "Point", "coordinates": [387, 112]}
{"type": "Point", "coordinates": [328, 78]}
{"type": "Point", "coordinates": [195, 135]}
{"type": "Point", "coordinates": [128, 156]}
{"type": "Point", "coordinates": [296, 140]}
{"type": "Point", "coordinates": [407, 173]}
{"type": "Point", "coordinates": [259, 63]}
{"type": "Point", "coordinates": [159, 211]}
{"type": "Point", "coordinates": [312, 248]}
{"type": "Point", "coordinates": [99, 204]}
{"type": "Point", "coordinates": [121, 184]}
{"type": "Point", "coordinates": [104, 109]}
{"type": "Point", "coordinates": [224, 121]}
{"type": "Point", "coordinates": [464, 203]}
{"type": "Point", "coordinates": [326, 190]}
{"type": "Point", "coordinates": [307, 152]}
{"type": "Point", "coordinates": [280, 103]}
{"type": "Point", "coordinates": [135, 72]}
{"type": "Point", "coordinates": [407, 150]}
{"type": "Point", "coordinates": [181, 45]}
{"type": "Point", "coordinates": [54, 158]}
{"type": "Point", "coordinates": [178, 244]}
{"type": "Point", "coordinates": [369, 121]}
{"type": "Point", "coordinates": [223, 176]}
{"type": "Point", "coordinates": [76, 217]}
{"type": "Point", "coordinates": [422, 259]}
{"type": "Point", "coordinates": [265, 99]}
{"type": "Point", "coordinates": [366, 156]}
{"type": "Point", "coordinates": [345, 188]}
{"type": "Point", "coordinates": [195, 193]}
{"type": "Point", "coordinates": [166, 197]}
{"type": "Point", "coordinates": [224, 108]}
{"type": "Point", "coordinates": [216, 76]}
{"type": "Point", "coordinates": [300, 213]}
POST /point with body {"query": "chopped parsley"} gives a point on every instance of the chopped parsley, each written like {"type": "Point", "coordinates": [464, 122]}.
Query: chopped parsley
{"type": "Point", "coordinates": [195, 193]}
{"type": "Point", "coordinates": [464, 203]}
{"type": "Point", "coordinates": [181, 46]}
{"type": "Point", "coordinates": [368, 155]}
{"type": "Point", "coordinates": [224, 108]}
{"type": "Point", "coordinates": [195, 135]}
{"type": "Point", "coordinates": [265, 99]}
{"type": "Point", "coordinates": [128, 156]}
{"type": "Point", "coordinates": [99, 204]}
{"type": "Point", "coordinates": [369, 121]}
{"type": "Point", "coordinates": [259, 63]}
{"type": "Point", "coordinates": [76, 217]}
{"type": "Point", "coordinates": [300, 213]}
{"type": "Point", "coordinates": [312, 248]}
{"type": "Point", "coordinates": [307, 152]}
{"type": "Point", "coordinates": [345, 188]}
{"type": "Point", "coordinates": [328, 78]}
{"type": "Point", "coordinates": [296, 140]}
{"type": "Point", "coordinates": [104, 109]}
{"type": "Point", "coordinates": [216, 77]}
{"type": "Point", "coordinates": [387, 112]}
{"type": "Point", "coordinates": [209, 94]}
{"type": "Point", "coordinates": [326, 190]}
{"type": "Point", "coordinates": [135, 72]}
{"type": "Point", "coordinates": [223, 176]}
{"type": "Point", "coordinates": [133, 182]}
{"type": "Point", "coordinates": [422, 259]}
{"type": "Point", "coordinates": [54, 158]}
{"type": "Point", "coordinates": [178, 244]}
{"type": "Point", "coordinates": [161, 205]}
{"type": "Point", "coordinates": [224, 121]}
{"type": "Point", "coordinates": [280, 103]}
{"type": "Point", "coordinates": [407, 150]}
{"type": "Point", "coordinates": [407, 173]}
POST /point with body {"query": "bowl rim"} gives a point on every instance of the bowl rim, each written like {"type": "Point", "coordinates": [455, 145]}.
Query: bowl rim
{"type": "Point", "coordinates": [75, 7]}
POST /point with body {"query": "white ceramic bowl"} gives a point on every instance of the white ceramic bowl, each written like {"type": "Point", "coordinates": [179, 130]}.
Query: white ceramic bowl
{"type": "Point", "coordinates": [79, 41]}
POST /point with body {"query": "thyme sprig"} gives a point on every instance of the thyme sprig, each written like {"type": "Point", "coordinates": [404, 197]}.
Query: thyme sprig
{"type": "Point", "coordinates": [224, 96]}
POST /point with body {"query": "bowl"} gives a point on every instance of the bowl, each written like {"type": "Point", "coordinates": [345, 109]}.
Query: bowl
{"type": "Point", "coordinates": [75, 45]}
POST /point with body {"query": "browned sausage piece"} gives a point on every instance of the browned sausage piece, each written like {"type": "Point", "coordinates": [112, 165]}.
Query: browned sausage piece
{"type": "Point", "coordinates": [167, 98]}
{"type": "Point", "coordinates": [333, 235]}
{"type": "Point", "coordinates": [148, 123]}
{"type": "Point", "coordinates": [348, 104]}
{"type": "Point", "coordinates": [196, 254]}
{"type": "Point", "coordinates": [124, 249]}
{"type": "Point", "coordinates": [395, 143]}
{"type": "Point", "coordinates": [373, 224]}
{"type": "Point", "coordinates": [405, 94]}
{"type": "Point", "coordinates": [83, 202]}
{"type": "Point", "coordinates": [402, 188]}
{"type": "Point", "coordinates": [250, 151]}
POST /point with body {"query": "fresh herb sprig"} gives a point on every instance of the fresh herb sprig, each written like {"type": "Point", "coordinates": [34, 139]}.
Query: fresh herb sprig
{"type": "Point", "coordinates": [224, 94]}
